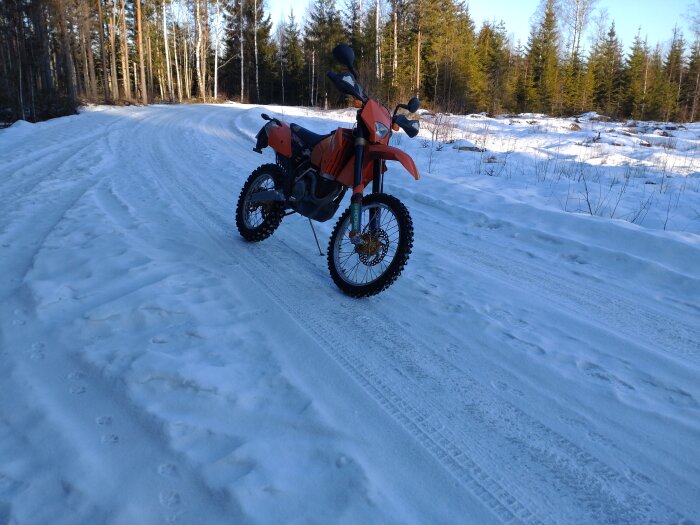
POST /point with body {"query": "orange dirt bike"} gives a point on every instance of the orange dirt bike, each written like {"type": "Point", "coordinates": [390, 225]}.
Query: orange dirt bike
{"type": "Point", "coordinates": [372, 240]}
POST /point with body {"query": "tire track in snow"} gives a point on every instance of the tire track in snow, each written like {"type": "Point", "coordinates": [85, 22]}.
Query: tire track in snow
{"type": "Point", "coordinates": [81, 406]}
{"type": "Point", "coordinates": [599, 490]}
{"type": "Point", "coordinates": [34, 171]}
{"type": "Point", "coordinates": [606, 307]}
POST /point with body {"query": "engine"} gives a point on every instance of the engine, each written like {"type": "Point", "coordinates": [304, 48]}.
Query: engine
{"type": "Point", "coordinates": [315, 196]}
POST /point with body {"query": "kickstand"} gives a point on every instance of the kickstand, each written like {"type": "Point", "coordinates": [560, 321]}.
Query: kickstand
{"type": "Point", "coordinates": [317, 244]}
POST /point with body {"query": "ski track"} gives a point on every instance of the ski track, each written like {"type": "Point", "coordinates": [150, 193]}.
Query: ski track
{"type": "Point", "coordinates": [506, 431]}
{"type": "Point", "coordinates": [83, 405]}
{"type": "Point", "coordinates": [465, 425]}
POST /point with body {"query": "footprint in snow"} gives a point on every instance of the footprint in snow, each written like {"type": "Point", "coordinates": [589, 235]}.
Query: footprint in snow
{"type": "Point", "coordinates": [36, 353]}
{"type": "Point", "coordinates": [77, 390]}
{"type": "Point", "coordinates": [75, 376]}
{"type": "Point", "coordinates": [167, 470]}
{"type": "Point", "coordinates": [110, 439]}
{"type": "Point", "coordinates": [104, 421]}
{"type": "Point", "coordinates": [169, 498]}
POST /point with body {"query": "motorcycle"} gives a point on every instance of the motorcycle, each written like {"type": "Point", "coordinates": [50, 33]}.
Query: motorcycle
{"type": "Point", "coordinates": [372, 240]}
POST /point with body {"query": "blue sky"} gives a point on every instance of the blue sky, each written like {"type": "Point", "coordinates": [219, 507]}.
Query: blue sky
{"type": "Point", "coordinates": [656, 17]}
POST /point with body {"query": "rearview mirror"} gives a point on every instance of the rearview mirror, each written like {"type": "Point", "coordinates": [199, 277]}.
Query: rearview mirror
{"type": "Point", "coordinates": [344, 54]}
{"type": "Point", "coordinates": [413, 105]}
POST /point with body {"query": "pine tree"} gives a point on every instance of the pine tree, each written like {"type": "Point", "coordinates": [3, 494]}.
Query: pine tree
{"type": "Point", "coordinates": [323, 32]}
{"type": "Point", "coordinates": [691, 85]}
{"type": "Point", "coordinates": [293, 60]}
{"type": "Point", "coordinates": [658, 86]}
{"type": "Point", "coordinates": [494, 59]}
{"type": "Point", "coordinates": [607, 62]}
{"type": "Point", "coordinates": [636, 79]}
{"type": "Point", "coordinates": [543, 58]}
{"type": "Point", "coordinates": [674, 68]}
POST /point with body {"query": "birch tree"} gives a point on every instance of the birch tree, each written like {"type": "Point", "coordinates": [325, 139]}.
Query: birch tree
{"type": "Point", "coordinates": [142, 65]}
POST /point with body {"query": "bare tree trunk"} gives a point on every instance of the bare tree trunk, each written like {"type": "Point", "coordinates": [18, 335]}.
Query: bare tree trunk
{"type": "Point", "coordinates": [376, 40]}
{"type": "Point", "coordinates": [313, 75]}
{"type": "Point", "coordinates": [126, 81]}
{"type": "Point", "coordinates": [205, 48]}
{"type": "Point", "coordinates": [280, 59]}
{"type": "Point", "coordinates": [105, 86]}
{"type": "Point", "coordinates": [186, 64]}
{"type": "Point", "coordinates": [144, 94]}
{"type": "Point", "coordinates": [113, 51]}
{"type": "Point", "coordinates": [83, 58]}
{"type": "Point", "coordinates": [395, 63]}
{"type": "Point", "coordinates": [149, 50]}
{"type": "Point", "coordinates": [420, 19]}
{"type": "Point", "coordinates": [177, 66]}
{"type": "Point", "coordinates": [79, 59]}
{"type": "Point", "coordinates": [696, 98]}
{"type": "Point", "coordinates": [240, 38]}
{"type": "Point", "coordinates": [161, 82]}
{"type": "Point", "coordinates": [66, 52]}
{"type": "Point", "coordinates": [87, 35]}
{"type": "Point", "coordinates": [216, 50]}
{"type": "Point", "coordinates": [418, 64]}
{"type": "Point", "coordinates": [21, 97]}
{"type": "Point", "coordinates": [282, 78]}
{"type": "Point", "coordinates": [255, 40]}
{"type": "Point", "coordinates": [167, 55]}
{"type": "Point", "coordinates": [198, 49]}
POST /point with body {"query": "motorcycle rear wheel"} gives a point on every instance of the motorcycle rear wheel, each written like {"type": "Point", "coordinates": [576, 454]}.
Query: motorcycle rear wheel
{"type": "Point", "coordinates": [371, 267]}
{"type": "Point", "coordinates": [257, 221]}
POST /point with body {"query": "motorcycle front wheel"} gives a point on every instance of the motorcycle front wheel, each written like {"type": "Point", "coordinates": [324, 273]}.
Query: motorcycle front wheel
{"type": "Point", "coordinates": [365, 269]}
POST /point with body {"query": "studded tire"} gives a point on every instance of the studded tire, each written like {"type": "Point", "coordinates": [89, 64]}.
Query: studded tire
{"type": "Point", "coordinates": [256, 222]}
{"type": "Point", "coordinates": [400, 247]}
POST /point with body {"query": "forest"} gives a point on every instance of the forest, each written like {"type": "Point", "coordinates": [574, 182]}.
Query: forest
{"type": "Point", "coordinates": [58, 54]}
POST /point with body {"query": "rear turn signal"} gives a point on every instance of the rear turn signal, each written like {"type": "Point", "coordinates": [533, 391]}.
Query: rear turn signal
{"type": "Point", "coordinates": [395, 126]}
{"type": "Point", "coordinates": [357, 103]}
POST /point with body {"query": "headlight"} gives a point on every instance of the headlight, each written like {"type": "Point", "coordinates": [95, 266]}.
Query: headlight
{"type": "Point", "coordinates": [381, 130]}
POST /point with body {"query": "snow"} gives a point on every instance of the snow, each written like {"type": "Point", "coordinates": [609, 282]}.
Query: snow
{"type": "Point", "coordinates": [538, 360]}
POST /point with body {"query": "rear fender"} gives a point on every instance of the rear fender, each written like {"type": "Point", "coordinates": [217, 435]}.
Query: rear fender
{"type": "Point", "coordinates": [277, 135]}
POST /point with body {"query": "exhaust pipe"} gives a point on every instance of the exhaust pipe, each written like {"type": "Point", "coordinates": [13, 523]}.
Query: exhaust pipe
{"type": "Point", "coordinates": [267, 196]}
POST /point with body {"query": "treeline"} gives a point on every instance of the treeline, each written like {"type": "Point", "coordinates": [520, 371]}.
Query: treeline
{"type": "Point", "coordinates": [56, 54]}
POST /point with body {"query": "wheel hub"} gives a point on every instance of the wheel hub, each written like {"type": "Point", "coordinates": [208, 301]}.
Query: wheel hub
{"type": "Point", "coordinates": [373, 247]}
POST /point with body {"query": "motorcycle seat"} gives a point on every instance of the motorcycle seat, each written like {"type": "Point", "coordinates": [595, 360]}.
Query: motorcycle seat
{"type": "Point", "coordinates": [309, 138]}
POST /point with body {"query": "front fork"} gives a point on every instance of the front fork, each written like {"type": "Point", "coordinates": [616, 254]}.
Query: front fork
{"type": "Point", "coordinates": [358, 190]}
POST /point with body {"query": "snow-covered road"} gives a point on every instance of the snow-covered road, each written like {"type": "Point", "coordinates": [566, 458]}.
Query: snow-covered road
{"type": "Point", "coordinates": [530, 365]}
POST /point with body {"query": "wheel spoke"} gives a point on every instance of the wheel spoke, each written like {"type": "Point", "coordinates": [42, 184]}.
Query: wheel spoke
{"type": "Point", "coordinates": [365, 263]}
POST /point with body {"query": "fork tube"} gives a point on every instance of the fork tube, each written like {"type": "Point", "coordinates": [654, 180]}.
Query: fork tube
{"type": "Point", "coordinates": [378, 177]}
{"type": "Point", "coordinates": [358, 187]}
{"type": "Point", "coordinates": [377, 187]}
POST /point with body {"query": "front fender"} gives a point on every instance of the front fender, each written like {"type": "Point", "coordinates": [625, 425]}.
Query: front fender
{"type": "Point", "coordinates": [380, 151]}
